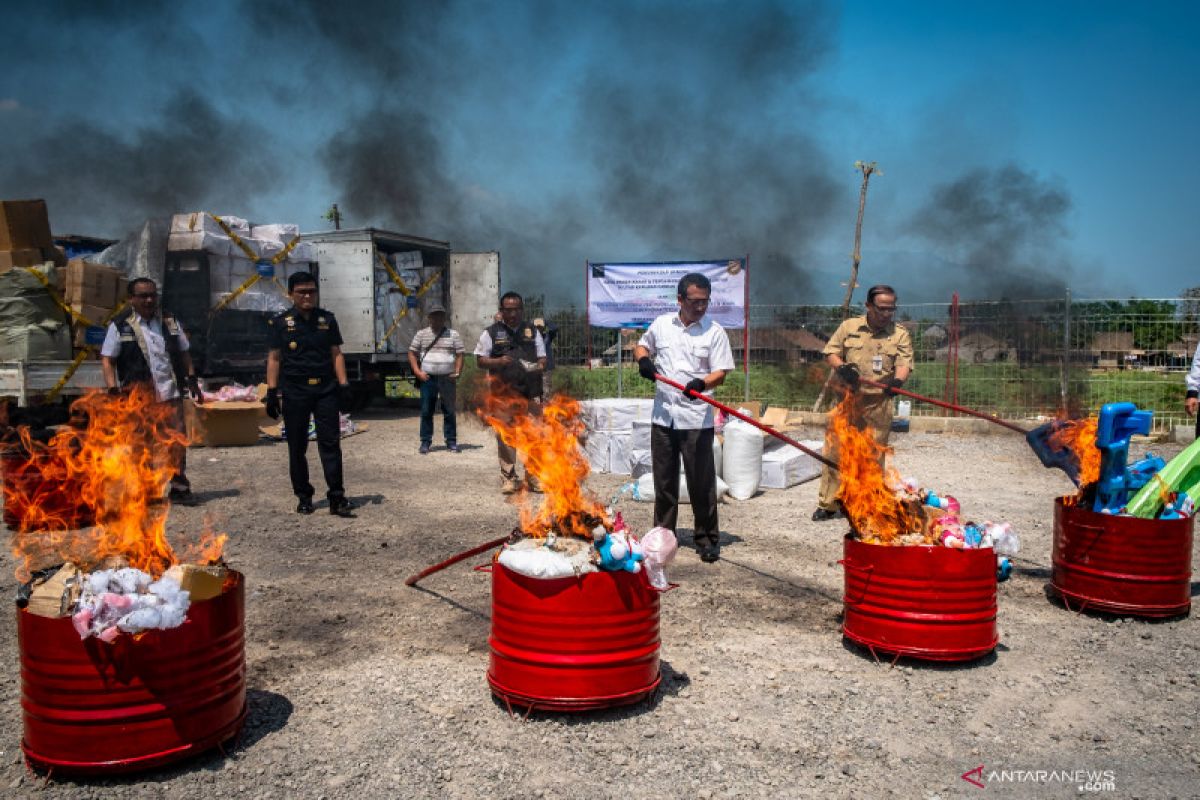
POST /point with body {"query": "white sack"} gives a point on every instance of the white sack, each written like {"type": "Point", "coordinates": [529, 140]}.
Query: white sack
{"type": "Point", "coordinates": [742, 459]}
{"type": "Point", "coordinates": [641, 434]}
{"type": "Point", "coordinates": [784, 467]}
{"type": "Point", "coordinates": [644, 490]}
{"type": "Point", "coordinates": [618, 453]}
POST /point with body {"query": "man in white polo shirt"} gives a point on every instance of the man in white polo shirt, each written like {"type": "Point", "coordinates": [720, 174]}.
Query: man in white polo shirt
{"type": "Point", "coordinates": [691, 349]}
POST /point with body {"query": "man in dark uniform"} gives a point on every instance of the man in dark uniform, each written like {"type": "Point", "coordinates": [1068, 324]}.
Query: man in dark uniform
{"type": "Point", "coordinates": [513, 353]}
{"type": "Point", "coordinates": [307, 372]}
{"type": "Point", "coordinates": [143, 346]}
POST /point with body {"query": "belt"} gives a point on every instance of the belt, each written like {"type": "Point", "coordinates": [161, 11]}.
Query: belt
{"type": "Point", "coordinates": [307, 381]}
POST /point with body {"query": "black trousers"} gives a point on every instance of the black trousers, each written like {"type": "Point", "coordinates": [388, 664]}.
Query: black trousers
{"type": "Point", "coordinates": [696, 447]}
{"type": "Point", "coordinates": [321, 402]}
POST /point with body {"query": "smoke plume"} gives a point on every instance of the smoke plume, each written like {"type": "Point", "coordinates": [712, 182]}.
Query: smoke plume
{"type": "Point", "coordinates": [1005, 227]}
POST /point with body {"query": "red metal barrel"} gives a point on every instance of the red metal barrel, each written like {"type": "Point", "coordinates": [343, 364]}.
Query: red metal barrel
{"type": "Point", "coordinates": [571, 644]}
{"type": "Point", "coordinates": [1122, 565]}
{"type": "Point", "coordinates": [140, 702]}
{"type": "Point", "coordinates": [926, 602]}
{"type": "Point", "coordinates": [27, 487]}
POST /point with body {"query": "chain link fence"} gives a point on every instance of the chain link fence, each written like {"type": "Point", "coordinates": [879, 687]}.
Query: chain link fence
{"type": "Point", "coordinates": [1018, 359]}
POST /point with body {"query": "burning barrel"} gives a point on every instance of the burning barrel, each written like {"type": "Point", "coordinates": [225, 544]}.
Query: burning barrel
{"type": "Point", "coordinates": [140, 702]}
{"type": "Point", "coordinates": [573, 644]}
{"type": "Point", "coordinates": [927, 602]}
{"type": "Point", "coordinates": [1120, 564]}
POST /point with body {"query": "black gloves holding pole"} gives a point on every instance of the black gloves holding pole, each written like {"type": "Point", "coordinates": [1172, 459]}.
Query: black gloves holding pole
{"type": "Point", "coordinates": [271, 401]}
{"type": "Point", "coordinates": [848, 374]}
{"type": "Point", "coordinates": [696, 385]}
{"type": "Point", "coordinates": [646, 368]}
{"type": "Point", "coordinates": [892, 384]}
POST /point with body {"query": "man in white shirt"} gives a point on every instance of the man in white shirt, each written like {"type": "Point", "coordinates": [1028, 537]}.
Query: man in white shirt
{"type": "Point", "coordinates": [436, 359]}
{"type": "Point", "coordinates": [691, 349]}
{"type": "Point", "coordinates": [148, 347]}
{"type": "Point", "coordinates": [1192, 401]}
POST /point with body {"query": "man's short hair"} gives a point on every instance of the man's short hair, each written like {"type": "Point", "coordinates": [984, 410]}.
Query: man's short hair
{"type": "Point", "coordinates": [693, 279]}
{"type": "Point", "coordinates": [511, 296]}
{"type": "Point", "coordinates": [131, 287]}
{"type": "Point", "coordinates": [297, 278]}
{"type": "Point", "coordinates": [878, 289]}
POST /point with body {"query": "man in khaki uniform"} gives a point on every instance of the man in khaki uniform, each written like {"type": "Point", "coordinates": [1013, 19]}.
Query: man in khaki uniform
{"type": "Point", "coordinates": [873, 347]}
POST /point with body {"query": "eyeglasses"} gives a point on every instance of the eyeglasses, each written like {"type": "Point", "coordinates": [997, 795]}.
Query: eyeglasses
{"type": "Point", "coordinates": [696, 301]}
{"type": "Point", "coordinates": [884, 309]}
{"type": "Point", "coordinates": [304, 291]}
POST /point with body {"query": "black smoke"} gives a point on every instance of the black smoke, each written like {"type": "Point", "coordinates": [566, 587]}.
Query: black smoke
{"type": "Point", "coordinates": [1005, 228]}
{"type": "Point", "coordinates": [108, 180]}
{"type": "Point", "coordinates": [673, 122]}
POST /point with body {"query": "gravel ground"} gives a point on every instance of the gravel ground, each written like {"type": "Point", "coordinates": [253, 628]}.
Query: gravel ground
{"type": "Point", "coordinates": [360, 687]}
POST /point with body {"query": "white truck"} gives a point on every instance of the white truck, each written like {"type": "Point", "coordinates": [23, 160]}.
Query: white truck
{"type": "Point", "coordinates": [376, 282]}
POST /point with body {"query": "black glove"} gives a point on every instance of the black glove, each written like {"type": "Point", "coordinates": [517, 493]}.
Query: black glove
{"type": "Point", "coordinates": [848, 374]}
{"type": "Point", "coordinates": [345, 398]}
{"type": "Point", "coordinates": [114, 390]}
{"type": "Point", "coordinates": [193, 387]}
{"type": "Point", "coordinates": [271, 401]}
{"type": "Point", "coordinates": [646, 368]}
{"type": "Point", "coordinates": [695, 385]}
{"type": "Point", "coordinates": [892, 385]}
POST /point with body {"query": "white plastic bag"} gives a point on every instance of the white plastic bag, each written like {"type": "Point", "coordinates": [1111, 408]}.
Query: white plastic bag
{"type": "Point", "coordinates": [742, 459]}
{"type": "Point", "coordinates": [659, 546]}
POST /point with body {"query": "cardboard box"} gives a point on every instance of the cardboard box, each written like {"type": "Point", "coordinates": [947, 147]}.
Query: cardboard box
{"type": "Point", "coordinates": [24, 224]}
{"type": "Point", "coordinates": [201, 583]}
{"type": "Point", "coordinates": [93, 284]}
{"type": "Point", "coordinates": [11, 259]}
{"type": "Point", "coordinates": [224, 424]}
{"type": "Point", "coordinates": [55, 596]}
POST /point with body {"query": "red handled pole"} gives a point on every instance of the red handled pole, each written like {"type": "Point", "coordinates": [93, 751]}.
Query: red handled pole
{"type": "Point", "coordinates": [751, 420]}
{"type": "Point", "coordinates": [474, 551]}
{"type": "Point", "coordinates": [951, 406]}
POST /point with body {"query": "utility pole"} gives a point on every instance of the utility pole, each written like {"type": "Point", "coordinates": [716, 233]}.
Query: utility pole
{"type": "Point", "coordinates": [334, 216]}
{"type": "Point", "coordinates": [868, 169]}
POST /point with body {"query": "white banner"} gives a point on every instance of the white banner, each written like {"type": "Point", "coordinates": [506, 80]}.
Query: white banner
{"type": "Point", "coordinates": [632, 295]}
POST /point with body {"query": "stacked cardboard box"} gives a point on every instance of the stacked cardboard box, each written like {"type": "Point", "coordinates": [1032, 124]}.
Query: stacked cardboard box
{"type": "Point", "coordinates": [92, 291]}
{"type": "Point", "coordinates": [25, 235]}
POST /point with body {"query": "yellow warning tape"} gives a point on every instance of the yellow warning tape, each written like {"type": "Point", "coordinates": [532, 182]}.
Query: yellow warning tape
{"type": "Point", "coordinates": [84, 353]}
{"type": "Point", "coordinates": [250, 254]}
{"type": "Point", "coordinates": [395, 276]}
{"type": "Point", "coordinates": [430, 281]}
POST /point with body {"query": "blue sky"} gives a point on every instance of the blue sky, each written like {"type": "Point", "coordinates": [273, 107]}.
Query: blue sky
{"type": "Point", "coordinates": [1025, 147]}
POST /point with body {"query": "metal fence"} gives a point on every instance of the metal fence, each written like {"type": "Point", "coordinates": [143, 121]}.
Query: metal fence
{"type": "Point", "coordinates": [1013, 358]}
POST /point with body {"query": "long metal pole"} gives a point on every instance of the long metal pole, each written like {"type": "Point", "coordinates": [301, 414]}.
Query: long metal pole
{"type": "Point", "coordinates": [744, 418]}
{"type": "Point", "coordinates": [746, 331]}
{"type": "Point", "coordinates": [620, 367]}
{"type": "Point", "coordinates": [1066, 351]}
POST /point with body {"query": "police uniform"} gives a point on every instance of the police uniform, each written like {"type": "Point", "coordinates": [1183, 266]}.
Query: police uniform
{"type": "Point", "coordinates": [309, 388]}
{"type": "Point", "coordinates": [877, 355]}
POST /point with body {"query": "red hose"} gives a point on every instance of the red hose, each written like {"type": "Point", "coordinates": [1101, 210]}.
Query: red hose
{"type": "Point", "coordinates": [751, 420]}
{"type": "Point", "coordinates": [474, 551]}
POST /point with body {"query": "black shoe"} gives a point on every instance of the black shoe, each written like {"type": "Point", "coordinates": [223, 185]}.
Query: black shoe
{"type": "Point", "coordinates": [341, 508]}
{"type": "Point", "coordinates": [305, 506]}
{"type": "Point", "coordinates": [709, 552]}
{"type": "Point", "coordinates": [182, 497]}
{"type": "Point", "coordinates": [822, 514]}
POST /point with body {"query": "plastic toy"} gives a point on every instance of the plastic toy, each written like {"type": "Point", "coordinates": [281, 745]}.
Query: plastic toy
{"type": "Point", "coordinates": [617, 551]}
{"type": "Point", "coordinates": [1117, 423]}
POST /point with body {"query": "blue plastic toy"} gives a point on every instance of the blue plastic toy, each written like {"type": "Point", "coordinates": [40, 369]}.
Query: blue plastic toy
{"type": "Point", "coordinates": [1117, 423]}
{"type": "Point", "coordinates": [626, 556]}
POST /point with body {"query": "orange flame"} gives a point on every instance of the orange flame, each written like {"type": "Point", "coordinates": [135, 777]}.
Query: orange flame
{"type": "Point", "coordinates": [112, 469]}
{"type": "Point", "coordinates": [549, 445]}
{"type": "Point", "coordinates": [867, 492]}
{"type": "Point", "coordinates": [1079, 436]}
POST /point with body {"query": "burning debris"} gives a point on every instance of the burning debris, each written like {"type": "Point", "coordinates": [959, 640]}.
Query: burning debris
{"type": "Point", "coordinates": [885, 509]}
{"type": "Point", "coordinates": [568, 532]}
{"type": "Point", "coordinates": [111, 465]}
